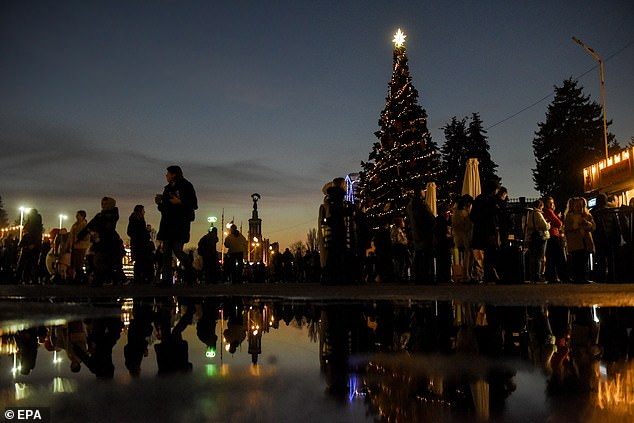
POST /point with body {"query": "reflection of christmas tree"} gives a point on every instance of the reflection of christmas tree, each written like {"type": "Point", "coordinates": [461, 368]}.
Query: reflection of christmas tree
{"type": "Point", "coordinates": [404, 158]}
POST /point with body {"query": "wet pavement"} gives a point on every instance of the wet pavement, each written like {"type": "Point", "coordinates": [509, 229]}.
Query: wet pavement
{"type": "Point", "coordinates": [312, 353]}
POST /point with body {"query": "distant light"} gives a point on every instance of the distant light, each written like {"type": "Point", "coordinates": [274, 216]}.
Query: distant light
{"type": "Point", "coordinates": [210, 353]}
{"type": "Point", "coordinates": [212, 219]}
{"type": "Point", "coordinates": [255, 239]}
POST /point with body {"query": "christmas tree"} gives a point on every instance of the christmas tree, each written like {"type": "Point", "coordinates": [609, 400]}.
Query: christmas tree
{"type": "Point", "coordinates": [404, 159]}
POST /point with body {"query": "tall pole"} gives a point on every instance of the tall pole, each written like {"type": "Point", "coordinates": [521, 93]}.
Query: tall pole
{"type": "Point", "coordinates": [605, 122]}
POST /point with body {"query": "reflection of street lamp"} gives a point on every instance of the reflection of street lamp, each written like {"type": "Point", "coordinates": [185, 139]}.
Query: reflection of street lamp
{"type": "Point", "coordinates": [605, 124]}
{"type": "Point", "coordinates": [22, 211]}
{"type": "Point", "coordinates": [61, 218]}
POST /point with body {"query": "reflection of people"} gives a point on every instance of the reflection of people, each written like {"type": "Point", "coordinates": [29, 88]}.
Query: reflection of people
{"type": "Point", "coordinates": [139, 330]}
{"type": "Point", "coordinates": [172, 353]}
{"type": "Point", "coordinates": [26, 342]}
{"type": "Point", "coordinates": [103, 334]}
{"type": "Point", "coordinates": [70, 336]}
{"type": "Point", "coordinates": [177, 205]}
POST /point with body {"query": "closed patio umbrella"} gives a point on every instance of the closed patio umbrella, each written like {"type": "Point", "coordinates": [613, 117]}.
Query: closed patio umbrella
{"type": "Point", "coordinates": [471, 183]}
{"type": "Point", "coordinates": [430, 196]}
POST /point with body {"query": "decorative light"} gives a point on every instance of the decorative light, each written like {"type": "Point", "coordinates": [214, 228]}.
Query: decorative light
{"type": "Point", "coordinates": [399, 38]}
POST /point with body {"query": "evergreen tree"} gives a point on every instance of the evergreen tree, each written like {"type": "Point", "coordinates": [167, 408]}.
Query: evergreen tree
{"type": "Point", "coordinates": [570, 139]}
{"type": "Point", "coordinates": [454, 154]}
{"type": "Point", "coordinates": [464, 142]}
{"type": "Point", "coordinates": [4, 216]}
{"type": "Point", "coordinates": [404, 158]}
{"type": "Point", "coordinates": [478, 147]}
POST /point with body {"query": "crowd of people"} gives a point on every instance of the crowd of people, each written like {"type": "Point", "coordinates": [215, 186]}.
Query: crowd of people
{"type": "Point", "coordinates": [474, 240]}
{"type": "Point", "coordinates": [477, 240]}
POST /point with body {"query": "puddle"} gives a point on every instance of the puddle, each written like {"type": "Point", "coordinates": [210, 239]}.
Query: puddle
{"type": "Point", "coordinates": [245, 359]}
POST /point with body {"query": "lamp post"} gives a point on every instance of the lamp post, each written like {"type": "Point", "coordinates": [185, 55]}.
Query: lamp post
{"type": "Point", "coordinates": [22, 211]}
{"type": "Point", "coordinates": [605, 124]}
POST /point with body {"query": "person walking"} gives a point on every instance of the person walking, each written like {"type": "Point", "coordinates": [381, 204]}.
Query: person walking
{"type": "Point", "coordinates": [556, 263]}
{"type": "Point", "coordinates": [177, 205]}
{"type": "Point", "coordinates": [578, 227]}
{"type": "Point", "coordinates": [236, 245]}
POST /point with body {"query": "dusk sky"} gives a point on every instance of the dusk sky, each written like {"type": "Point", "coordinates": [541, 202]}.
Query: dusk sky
{"type": "Point", "coordinates": [276, 97]}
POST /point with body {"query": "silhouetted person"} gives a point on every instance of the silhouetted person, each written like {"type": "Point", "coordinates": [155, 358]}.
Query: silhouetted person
{"type": "Point", "coordinates": [421, 221]}
{"type": "Point", "coordinates": [139, 330]}
{"type": "Point", "coordinates": [29, 246]}
{"type": "Point", "coordinates": [332, 232]}
{"type": "Point", "coordinates": [237, 246]}
{"type": "Point", "coordinates": [607, 239]}
{"type": "Point", "coordinates": [78, 247]}
{"type": "Point", "coordinates": [207, 250]}
{"type": "Point", "coordinates": [486, 231]}
{"type": "Point", "coordinates": [141, 246]}
{"type": "Point", "coordinates": [177, 205]}
{"type": "Point", "coordinates": [106, 243]}
{"type": "Point", "coordinates": [103, 334]}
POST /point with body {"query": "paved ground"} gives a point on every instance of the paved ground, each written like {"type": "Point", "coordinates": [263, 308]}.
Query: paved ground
{"type": "Point", "coordinates": [525, 294]}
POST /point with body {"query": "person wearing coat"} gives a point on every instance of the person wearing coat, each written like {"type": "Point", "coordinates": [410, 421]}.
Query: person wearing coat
{"type": "Point", "coordinates": [29, 247]}
{"type": "Point", "coordinates": [462, 232]}
{"type": "Point", "coordinates": [207, 250]}
{"type": "Point", "coordinates": [177, 205]}
{"type": "Point", "coordinates": [578, 227]}
{"type": "Point", "coordinates": [78, 246]}
{"type": "Point", "coordinates": [537, 230]}
{"type": "Point", "coordinates": [421, 220]}
{"type": "Point", "coordinates": [141, 246]}
{"type": "Point", "coordinates": [485, 215]}
{"type": "Point", "coordinates": [106, 243]}
{"type": "Point", "coordinates": [556, 263]}
{"type": "Point", "coordinates": [237, 246]}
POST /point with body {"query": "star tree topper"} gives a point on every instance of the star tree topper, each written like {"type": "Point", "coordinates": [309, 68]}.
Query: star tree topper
{"type": "Point", "coordinates": [399, 38]}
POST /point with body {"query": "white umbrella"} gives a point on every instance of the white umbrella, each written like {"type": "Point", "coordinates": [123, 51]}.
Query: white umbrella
{"type": "Point", "coordinates": [471, 183]}
{"type": "Point", "coordinates": [430, 196]}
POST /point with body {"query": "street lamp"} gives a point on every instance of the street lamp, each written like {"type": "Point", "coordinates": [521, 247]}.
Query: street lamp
{"type": "Point", "coordinates": [596, 56]}
{"type": "Point", "coordinates": [61, 218]}
{"type": "Point", "coordinates": [22, 211]}
{"type": "Point", "coordinates": [212, 220]}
